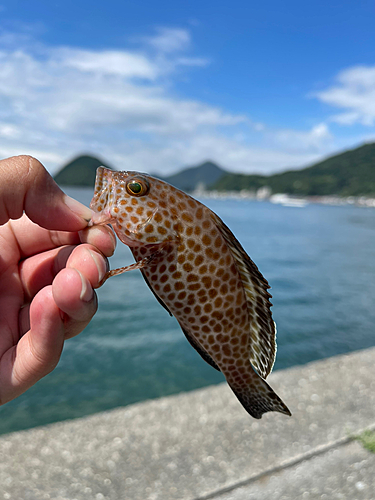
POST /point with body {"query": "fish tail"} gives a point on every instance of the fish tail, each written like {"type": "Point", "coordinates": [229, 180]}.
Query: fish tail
{"type": "Point", "coordinates": [258, 397]}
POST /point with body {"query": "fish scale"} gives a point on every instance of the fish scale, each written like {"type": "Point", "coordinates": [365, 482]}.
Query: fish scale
{"type": "Point", "coordinates": [200, 273]}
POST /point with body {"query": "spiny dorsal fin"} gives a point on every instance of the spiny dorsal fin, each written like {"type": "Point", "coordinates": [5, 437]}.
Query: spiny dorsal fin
{"type": "Point", "coordinates": [262, 327]}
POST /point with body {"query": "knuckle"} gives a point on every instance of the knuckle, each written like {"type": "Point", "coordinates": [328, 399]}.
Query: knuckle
{"type": "Point", "coordinates": [33, 168]}
{"type": "Point", "coordinates": [27, 169]}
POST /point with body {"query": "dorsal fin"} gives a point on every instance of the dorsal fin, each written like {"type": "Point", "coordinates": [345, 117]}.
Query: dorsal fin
{"type": "Point", "coordinates": [262, 327]}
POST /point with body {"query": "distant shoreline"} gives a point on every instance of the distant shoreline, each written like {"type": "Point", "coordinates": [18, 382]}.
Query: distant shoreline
{"type": "Point", "coordinates": [283, 199]}
{"type": "Point", "coordinates": [286, 199]}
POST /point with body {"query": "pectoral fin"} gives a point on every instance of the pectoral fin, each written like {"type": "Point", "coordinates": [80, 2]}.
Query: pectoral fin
{"type": "Point", "coordinates": [137, 265]}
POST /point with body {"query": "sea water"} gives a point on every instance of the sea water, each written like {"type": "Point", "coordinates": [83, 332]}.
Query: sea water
{"type": "Point", "coordinates": [319, 261]}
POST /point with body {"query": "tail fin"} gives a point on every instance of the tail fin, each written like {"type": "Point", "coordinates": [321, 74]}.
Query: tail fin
{"type": "Point", "coordinates": [259, 398]}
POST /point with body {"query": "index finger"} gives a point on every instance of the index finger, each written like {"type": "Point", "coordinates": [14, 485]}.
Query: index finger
{"type": "Point", "coordinates": [26, 186]}
{"type": "Point", "coordinates": [33, 239]}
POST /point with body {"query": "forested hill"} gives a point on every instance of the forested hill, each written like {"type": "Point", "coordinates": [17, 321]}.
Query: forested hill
{"type": "Point", "coordinates": [79, 172]}
{"type": "Point", "coordinates": [351, 173]}
{"type": "Point", "coordinates": [188, 179]}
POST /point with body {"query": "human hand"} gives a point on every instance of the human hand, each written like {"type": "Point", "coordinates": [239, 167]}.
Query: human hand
{"type": "Point", "coordinates": [50, 263]}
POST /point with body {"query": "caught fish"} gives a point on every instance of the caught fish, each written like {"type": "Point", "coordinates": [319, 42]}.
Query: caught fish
{"type": "Point", "coordinates": [200, 273]}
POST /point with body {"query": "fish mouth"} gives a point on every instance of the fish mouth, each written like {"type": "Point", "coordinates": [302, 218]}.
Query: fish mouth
{"type": "Point", "coordinates": [101, 205]}
{"type": "Point", "coordinates": [103, 175]}
{"type": "Point", "coordinates": [103, 180]}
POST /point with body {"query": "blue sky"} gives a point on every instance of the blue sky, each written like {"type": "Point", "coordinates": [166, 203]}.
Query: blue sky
{"type": "Point", "coordinates": [157, 86]}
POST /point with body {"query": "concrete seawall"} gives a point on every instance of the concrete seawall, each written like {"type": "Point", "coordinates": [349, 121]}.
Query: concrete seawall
{"type": "Point", "coordinates": [202, 445]}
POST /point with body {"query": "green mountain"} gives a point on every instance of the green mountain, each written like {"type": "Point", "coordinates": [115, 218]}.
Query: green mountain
{"type": "Point", "coordinates": [207, 173]}
{"type": "Point", "coordinates": [351, 173]}
{"type": "Point", "coordinates": [79, 172]}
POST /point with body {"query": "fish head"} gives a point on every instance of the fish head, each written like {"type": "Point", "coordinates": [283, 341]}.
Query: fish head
{"type": "Point", "coordinates": [132, 203]}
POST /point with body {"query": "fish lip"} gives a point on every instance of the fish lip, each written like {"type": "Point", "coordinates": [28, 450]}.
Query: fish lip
{"type": "Point", "coordinates": [112, 223]}
{"type": "Point", "coordinates": [100, 219]}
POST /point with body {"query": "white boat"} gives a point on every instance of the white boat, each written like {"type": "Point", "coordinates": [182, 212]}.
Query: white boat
{"type": "Point", "coordinates": [288, 201]}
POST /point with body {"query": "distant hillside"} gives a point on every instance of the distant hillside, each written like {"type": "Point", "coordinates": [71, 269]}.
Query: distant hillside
{"type": "Point", "coordinates": [188, 179]}
{"type": "Point", "coordinates": [351, 173]}
{"type": "Point", "coordinates": [79, 172]}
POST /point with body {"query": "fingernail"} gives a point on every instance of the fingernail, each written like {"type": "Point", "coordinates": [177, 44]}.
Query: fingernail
{"type": "Point", "coordinates": [100, 265]}
{"type": "Point", "coordinates": [78, 208]}
{"type": "Point", "coordinates": [87, 292]}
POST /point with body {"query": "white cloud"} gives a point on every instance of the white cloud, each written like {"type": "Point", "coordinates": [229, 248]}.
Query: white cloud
{"type": "Point", "coordinates": [192, 61]}
{"type": "Point", "coordinates": [107, 62]}
{"type": "Point", "coordinates": [229, 153]}
{"type": "Point", "coordinates": [315, 140]}
{"type": "Point", "coordinates": [9, 131]}
{"type": "Point", "coordinates": [354, 92]}
{"type": "Point", "coordinates": [170, 40]}
{"type": "Point", "coordinates": [56, 102]}
{"type": "Point", "coordinates": [72, 88]}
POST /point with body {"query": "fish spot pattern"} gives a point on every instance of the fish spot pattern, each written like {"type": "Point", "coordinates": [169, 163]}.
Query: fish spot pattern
{"type": "Point", "coordinates": [203, 276]}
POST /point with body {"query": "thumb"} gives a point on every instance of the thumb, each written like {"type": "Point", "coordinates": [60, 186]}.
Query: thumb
{"type": "Point", "coordinates": [26, 186]}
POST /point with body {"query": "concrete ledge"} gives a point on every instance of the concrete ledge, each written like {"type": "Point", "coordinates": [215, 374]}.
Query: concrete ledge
{"type": "Point", "coordinates": [196, 445]}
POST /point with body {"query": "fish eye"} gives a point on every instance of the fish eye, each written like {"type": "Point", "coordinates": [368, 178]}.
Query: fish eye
{"type": "Point", "coordinates": [137, 187]}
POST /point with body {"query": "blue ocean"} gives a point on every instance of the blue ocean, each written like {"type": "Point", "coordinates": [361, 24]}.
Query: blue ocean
{"type": "Point", "coordinates": [319, 261]}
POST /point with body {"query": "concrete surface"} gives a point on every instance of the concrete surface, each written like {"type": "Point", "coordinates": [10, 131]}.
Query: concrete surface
{"type": "Point", "coordinates": [346, 472]}
{"type": "Point", "coordinates": [203, 445]}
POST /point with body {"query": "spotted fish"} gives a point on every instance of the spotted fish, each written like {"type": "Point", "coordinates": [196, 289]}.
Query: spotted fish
{"type": "Point", "coordinates": [200, 273]}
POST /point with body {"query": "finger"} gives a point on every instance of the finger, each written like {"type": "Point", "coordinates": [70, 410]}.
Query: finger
{"type": "Point", "coordinates": [89, 262]}
{"type": "Point", "coordinates": [101, 237]}
{"type": "Point", "coordinates": [57, 312]}
{"type": "Point", "coordinates": [75, 297]}
{"type": "Point", "coordinates": [38, 271]}
{"type": "Point", "coordinates": [27, 186]}
{"type": "Point", "coordinates": [33, 239]}
{"type": "Point", "coordinates": [24, 320]}
{"type": "Point", "coordinates": [37, 352]}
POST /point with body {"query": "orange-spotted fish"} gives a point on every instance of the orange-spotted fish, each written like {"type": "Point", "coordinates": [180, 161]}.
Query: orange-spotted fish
{"type": "Point", "coordinates": [200, 273]}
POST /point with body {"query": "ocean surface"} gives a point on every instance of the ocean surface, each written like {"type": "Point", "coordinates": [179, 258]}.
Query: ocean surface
{"type": "Point", "coordinates": [319, 261]}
